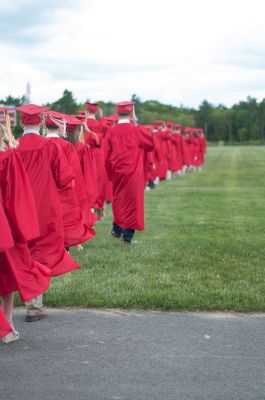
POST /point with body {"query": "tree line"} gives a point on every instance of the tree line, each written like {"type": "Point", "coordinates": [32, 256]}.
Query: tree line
{"type": "Point", "coordinates": [243, 122]}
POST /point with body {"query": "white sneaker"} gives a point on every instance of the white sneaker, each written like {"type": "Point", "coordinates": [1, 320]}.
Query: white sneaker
{"type": "Point", "coordinates": [11, 337]}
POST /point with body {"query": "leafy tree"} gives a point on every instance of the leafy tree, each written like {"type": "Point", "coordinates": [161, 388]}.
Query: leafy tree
{"type": "Point", "coordinates": [204, 117]}
{"type": "Point", "coordinates": [66, 104]}
{"type": "Point", "coordinates": [244, 121]}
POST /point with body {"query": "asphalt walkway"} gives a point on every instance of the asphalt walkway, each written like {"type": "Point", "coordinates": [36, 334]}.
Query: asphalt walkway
{"type": "Point", "coordinates": [135, 355]}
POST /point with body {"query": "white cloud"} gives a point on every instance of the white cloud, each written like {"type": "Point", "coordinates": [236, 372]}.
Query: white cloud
{"type": "Point", "coordinates": [173, 51]}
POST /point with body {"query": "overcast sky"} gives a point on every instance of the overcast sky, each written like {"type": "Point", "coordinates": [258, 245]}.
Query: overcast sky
{"type": "Point", "coordinates": [178, 52]}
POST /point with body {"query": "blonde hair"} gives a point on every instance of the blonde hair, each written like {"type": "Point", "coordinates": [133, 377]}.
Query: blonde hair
{"type": "Point", "coordinates": [6, 136]}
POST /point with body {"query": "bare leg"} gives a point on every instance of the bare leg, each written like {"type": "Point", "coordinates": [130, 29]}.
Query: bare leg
{"type": "Point", "coordinates": [8, 306]}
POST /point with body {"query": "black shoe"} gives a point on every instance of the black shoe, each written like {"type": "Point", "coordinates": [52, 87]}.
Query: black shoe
{"type": "Point", "coordinates": [151, 184]}
{"type": "Point", "coordinates": [114, 234]}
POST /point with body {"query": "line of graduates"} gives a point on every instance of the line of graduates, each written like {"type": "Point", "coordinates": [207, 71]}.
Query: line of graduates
{"type": "Point", "coordinates": [53, 188]}
{"type": "Point", "coordinates": [177, 151]}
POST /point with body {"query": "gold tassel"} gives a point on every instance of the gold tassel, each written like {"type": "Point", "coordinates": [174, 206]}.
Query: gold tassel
{"type": "Point", "coordinates": [13, 143]}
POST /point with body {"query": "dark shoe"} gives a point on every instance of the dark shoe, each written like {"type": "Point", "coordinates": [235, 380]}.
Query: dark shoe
{"type": "Point", "coordinates": [114, 234]}
{"type": "Point", "coordinates": [36, 315]}
{"type": "Point", "coordinates": [151, 184]}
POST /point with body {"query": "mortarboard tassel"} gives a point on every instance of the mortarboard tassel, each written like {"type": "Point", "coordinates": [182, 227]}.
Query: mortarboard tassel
{"type": "Point", "coordinates": [13, 143]}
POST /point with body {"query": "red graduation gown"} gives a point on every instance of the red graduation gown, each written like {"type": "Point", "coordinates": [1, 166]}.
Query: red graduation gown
{"type": "Point", "coordinates": [202, 151]}
{"type": "Point", "coordinates": [74, 202]}
{"type": "Point", "coordinates": [179, 150]}
{"type": "Point", "coordinates": [18, 272]}
{"type": "Point", "coordinates": [47, 171]}
{"type": "Point", "coordinates": [99, 154]}
{"type": "Point", "coordinates": [84, 156]}
{"type": "Point", "coordinates": [125, 146]}
{"type": "Point", "coordinates": [89, 171]}
{"type": "Point", "coordinates": [148, 166]}
{"type": "Point", "coordinates": [187, 156]}
{"type": "Point", "coordinates": [170, 152]}
{"type": "Point", "coordinates": [6, 239]}
{"type": "Point", "coordinates": [162, 138]}
{"type": "Point", "coordinates": [194, 149]}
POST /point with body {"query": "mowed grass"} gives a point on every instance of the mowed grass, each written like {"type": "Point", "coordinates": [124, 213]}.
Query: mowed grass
{"type": "Point", "coordinates": [203, 247]}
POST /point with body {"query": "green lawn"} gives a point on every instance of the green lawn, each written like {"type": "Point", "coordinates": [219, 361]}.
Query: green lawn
{"type": "Point", "coordinates": [203, 247]}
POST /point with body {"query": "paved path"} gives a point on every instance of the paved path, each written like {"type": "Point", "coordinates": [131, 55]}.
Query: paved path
{"type": "Point", "coordinates": [119, 355]}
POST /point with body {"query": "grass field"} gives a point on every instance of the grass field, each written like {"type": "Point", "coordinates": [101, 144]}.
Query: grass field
{"type": "Point", "coordinates": [203, 247]}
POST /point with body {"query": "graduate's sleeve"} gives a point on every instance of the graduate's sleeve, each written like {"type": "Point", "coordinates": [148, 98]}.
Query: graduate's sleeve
{"type": "Point", "coordinates": [19, 201]}
{"type": "Point", "coordinates": [146, 140]}
{"type": "Point", "coordinates": [62, 171]}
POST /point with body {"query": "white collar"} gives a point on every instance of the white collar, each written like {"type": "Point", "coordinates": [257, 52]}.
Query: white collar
{"type": "Point", "coordinates": [91, 117]}
{"type": "Point", "coordinates": [29, 131]}
{"type": "Point", "coordinates": [124, 121]}
{"type": "Point", "coordinates": [49, 135]}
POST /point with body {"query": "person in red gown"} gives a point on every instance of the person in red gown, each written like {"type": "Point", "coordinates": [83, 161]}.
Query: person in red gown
{"type": "Point", "coordinates": [74, 136]}
{"type": "Point", "coordinates": [73, 197]}
{"type": "Point", "coordinates": [162, 136]}
{"type": "Point", "coordinates": [19, 224]}
{"type": "Point", "coordinates": [47, 171]}
{"type": "Point", "coordinates": [203, 146]}
{"type": "Point", "coordinates": [7, 332]}
{"type": "Point", "coordinates": [187, 154]}
{"type": "Point", "coordinates": [178, 148]}
{"type": "Point", "coordinates": [170, 151]}
{"type": "Point", "coordinates": [89, 171]}
{"type": "Point", "coordinates": [125, 147]}
{"type": "Point", "coordinates": [149, 165]}
{"type": "Point", "coordinates": [111, 121]}
{"type": "Point", "coordinates": [95, 137]}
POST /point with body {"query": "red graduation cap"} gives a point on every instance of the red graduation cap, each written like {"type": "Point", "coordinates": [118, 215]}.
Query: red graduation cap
{"type": "Point", "coordinates": [72, 122]}
{"type": "Point", "coordinates": [54, 119]}
{"type": "Point", "coordinates": [31, 113]}
{"type": "Point", "coordinates": [80, 117]}
{"type": "Point", "coordinates": [169, 125]}
{"type": "Point", "coordinates": [93, 107]}
{"type": "Point", "coordinates": [112, 118]}
{"type": "Point", "coordinates": [124, 106]}
{"type": "Point", "coordinates": [159, 123]}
